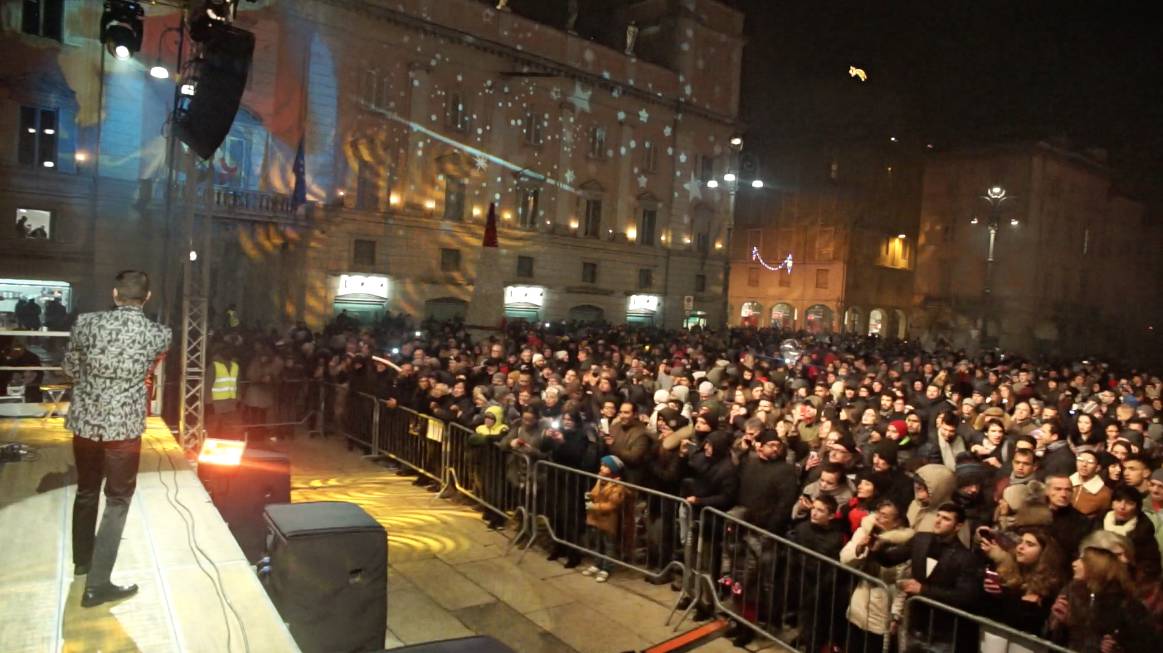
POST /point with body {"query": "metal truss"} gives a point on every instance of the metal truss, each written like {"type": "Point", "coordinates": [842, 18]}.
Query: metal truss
{"type": "Point", "coordinates": [195, 308]}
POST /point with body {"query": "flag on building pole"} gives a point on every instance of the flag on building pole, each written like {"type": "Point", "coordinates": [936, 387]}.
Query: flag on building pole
{"type": "Point", "coordinates": [299, 169]}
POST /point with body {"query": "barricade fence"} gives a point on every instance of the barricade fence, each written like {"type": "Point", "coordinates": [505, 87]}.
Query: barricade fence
{"type": "Point", "coordinates": [930, 626]}
{"type": "Point", "coordinates": [781, 590]}
{"type": "Point", "coordinates": [778, 588]}
{"type": "Point", "coordinates": [617, 523]}
{"type": "Point", "coordinates": [479, 469]}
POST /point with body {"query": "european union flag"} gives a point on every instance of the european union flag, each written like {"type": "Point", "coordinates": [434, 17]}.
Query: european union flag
{"type": "Point", "coordinates": [299, 194]}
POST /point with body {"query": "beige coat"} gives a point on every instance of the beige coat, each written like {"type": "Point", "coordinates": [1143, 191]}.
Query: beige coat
{"type": "Point", "coordinates": [871, 607]}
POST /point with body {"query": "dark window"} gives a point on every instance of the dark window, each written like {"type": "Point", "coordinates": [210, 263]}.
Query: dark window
{"type": "Point", "coordinates": [38, 137]}
{"type": "Point", "coordinates": [703, 243]}
{"type": "Point", "coordinates": [450, 260]}
{"type": "Point", "coordinates": [589, 272]}
{"type": "Point", "coordinates": [784, 279]}
{"type": "Point", "coordinates": [43, 18]}
{"type": "Point", "coordinates": [525, 267]}
{"type": "Point", "coordinates": [646, 224]}
{"type": "Point", "coordinates": [367, 187]}
{"type": "Point", "coordinates": [645, 278]}
{"type": "Point", "coordinates": [365, 252]}
{"type": "Point", "coordinates": [527, 211]}
{"type": "Point", "coordinates": [534, 128]}
{"type": "Point", "coordinates": [457, 112]}
{"type": "Point", "coordinates": [453, 198]}
{"type": "Point", "coordinates": [700, 283]}
{"type": "Point", "coordinates": [822, 278]}
{"type": "Point", "coordinates": [706, 168]}
{"type": "Point", "coordinates": [597, 148]}
{"type": "Point", "coordinates": [593, 223]}
{"type": "Point", "coordinates": [649, 157]}
{"type": "Point", "coordinates": [753, 276]}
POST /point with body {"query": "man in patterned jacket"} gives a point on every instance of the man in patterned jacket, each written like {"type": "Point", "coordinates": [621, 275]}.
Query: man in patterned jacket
{"type": "Point", "coordinates": [109, 356]}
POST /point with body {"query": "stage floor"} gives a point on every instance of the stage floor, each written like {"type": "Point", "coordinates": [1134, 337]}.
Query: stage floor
{"type": "Point", "coordinates": [178, 606]}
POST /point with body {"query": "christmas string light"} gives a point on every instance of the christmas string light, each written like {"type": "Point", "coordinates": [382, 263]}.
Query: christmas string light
{"type": "Point", "coordinates": [785, 265]}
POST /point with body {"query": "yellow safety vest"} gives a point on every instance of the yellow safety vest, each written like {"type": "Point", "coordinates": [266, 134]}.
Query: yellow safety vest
{"type": "Point", "coordinates": [225, 382]}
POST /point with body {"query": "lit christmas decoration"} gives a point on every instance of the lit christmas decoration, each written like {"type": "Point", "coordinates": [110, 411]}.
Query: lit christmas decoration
{"type": "Point", "coordinates": [858, 73]}
{"type": "Point", "coordinates": [785, 265]}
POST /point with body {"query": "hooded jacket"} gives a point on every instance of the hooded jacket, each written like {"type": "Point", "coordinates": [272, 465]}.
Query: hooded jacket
{"type": "Point", "coordinates": [484, 434]}
{"type": "Point", "coordinates": [941, 483]}
{"type": "Point", "coordinates": [871, 607]}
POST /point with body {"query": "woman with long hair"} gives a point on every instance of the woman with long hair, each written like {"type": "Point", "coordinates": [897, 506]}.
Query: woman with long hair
{"type": "Point", "coordinates": [1098, 610]}
{"type": "Point", "coordinates": [1085, 430]}
{"type": "Point", "coordinates": [1023, 581]}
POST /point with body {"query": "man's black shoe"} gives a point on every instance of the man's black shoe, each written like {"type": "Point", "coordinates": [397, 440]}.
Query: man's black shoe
{"type": "Point", "coordinates": [685, 602]}
{"type": "Point", "coordinates": [744, 638]}
{"type": "Point", "coordinates": [572, 560]}
{"type": "Point", "coordinates": [80, 570]}
{"type": "Point", "coordinates": [97, 595]}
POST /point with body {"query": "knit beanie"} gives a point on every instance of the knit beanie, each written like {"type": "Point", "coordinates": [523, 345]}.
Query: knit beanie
{"type": "Point", "coordinates": [901, 427]}
{"type": "Point", "coordinates": [614, 463]}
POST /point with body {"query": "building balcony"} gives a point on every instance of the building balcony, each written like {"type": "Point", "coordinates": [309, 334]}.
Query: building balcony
{"type": "Point", "coordinates": [251, 205]}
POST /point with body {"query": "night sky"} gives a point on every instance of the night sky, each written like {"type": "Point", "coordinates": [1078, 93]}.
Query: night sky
{"type": "Point", "coordinates": [960, 73]}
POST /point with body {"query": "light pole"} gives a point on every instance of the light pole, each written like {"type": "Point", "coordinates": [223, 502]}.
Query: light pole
{"type": "Point", "coordinates": [731, 183]}
{"type": "Point", "coordinates": [996, 196]}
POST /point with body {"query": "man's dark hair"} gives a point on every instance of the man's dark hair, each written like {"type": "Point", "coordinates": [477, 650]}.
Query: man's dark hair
{"type": "Point", "coordinates": [1052, 426]}
{"type": "Point", "coordinates": [132, 286]}
{"type": "Point", "coordinates": [1138, 457]}
{"type": "Point", "coordinates": [949, 419]}
{"type": "Point", "coordinates": [1025, 453]}
{"type": "Point", "coordinates": [832, 468]}
{"type": "Point", "coordinates": [828, 501]}
{"type": "Point", "coordinates": [953, 508]}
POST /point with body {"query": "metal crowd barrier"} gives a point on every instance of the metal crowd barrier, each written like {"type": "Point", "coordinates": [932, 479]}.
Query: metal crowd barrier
{"type": "Point", "coordinates": [781, 590]}
{"type": "Point", "coordinates": [277, 408]}
{"type": "Point", "coordinates": [497, 480]}
{"type": "Point", "coordinates": [646, 538]}
{"type": "Point", "coordinates": [930, 626]}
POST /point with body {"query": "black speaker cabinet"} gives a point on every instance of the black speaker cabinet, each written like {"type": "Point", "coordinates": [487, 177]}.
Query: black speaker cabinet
{"type": "Point", "coordinates": [241, 492]}
{"type": "Point", "coordinates": [329, 575]}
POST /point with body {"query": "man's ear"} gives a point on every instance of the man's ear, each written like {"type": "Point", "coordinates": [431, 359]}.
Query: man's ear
{"type": "Point", "coordinates": [114, 294]}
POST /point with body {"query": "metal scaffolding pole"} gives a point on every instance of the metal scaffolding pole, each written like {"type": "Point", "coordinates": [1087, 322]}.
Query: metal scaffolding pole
{"type": "Point", "coordinates": [195, 305]}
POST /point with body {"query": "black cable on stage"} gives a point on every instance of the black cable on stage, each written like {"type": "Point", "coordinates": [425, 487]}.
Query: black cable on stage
{"type": "Point", "coordinates": [192, 543]}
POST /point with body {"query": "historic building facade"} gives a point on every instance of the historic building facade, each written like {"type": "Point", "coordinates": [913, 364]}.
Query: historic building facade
{"type": "Point", "coordinates": [413, 117]}
{"type": "Point", "coordinates": [1075, 264]}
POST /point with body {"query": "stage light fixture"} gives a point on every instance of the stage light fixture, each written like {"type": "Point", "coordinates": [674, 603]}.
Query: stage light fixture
{"type": "Point", "coordinates": [211, 16]}
{"type": "Point", "coordinates": [222, 452]}
{"type": "Point", "coordinates": [121, 27]}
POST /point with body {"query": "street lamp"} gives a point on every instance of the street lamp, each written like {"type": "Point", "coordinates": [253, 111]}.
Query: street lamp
{"type": "Point", "coordinates": [996, 196]}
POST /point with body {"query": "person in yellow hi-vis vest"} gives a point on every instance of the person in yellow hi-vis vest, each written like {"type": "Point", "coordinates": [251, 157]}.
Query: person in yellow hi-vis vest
{"type": "Point", "coordinates": [223, 383]}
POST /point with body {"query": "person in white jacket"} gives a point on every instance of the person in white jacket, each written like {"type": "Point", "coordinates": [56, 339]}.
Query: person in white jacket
{"type": "Point", "coordinates": [873, 610]}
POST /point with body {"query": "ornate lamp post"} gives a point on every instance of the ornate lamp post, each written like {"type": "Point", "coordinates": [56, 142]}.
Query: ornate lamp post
{"type": "Point", "coordinates": [996, 196]}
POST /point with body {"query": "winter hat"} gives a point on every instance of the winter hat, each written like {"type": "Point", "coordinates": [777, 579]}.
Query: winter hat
{"type": "Point", "coordinates": [712, 419]}
{"type": "Point", "coordinates": [846, 442]}
{"type": "Point", "coordinates": [680, 393]}
{"type": "Point", "coordinates": [887, 449]}
{"type": "Point", "coordinates": [1157, 475]}
{"type": "Point", "coordinates": [614, 463]}
{"type": "Point", "coordinates": [970, 472]}
{"type": "Point", "coordinates": [661, 396]}
{"type": "Point", "coordinates": [900, 426]}
{"type": "Point", "coordinates": [815, 401]}
{"type": "Point", "coordinates": [706, 388]}
{"type": "Point", "coordinates": [766, 435]}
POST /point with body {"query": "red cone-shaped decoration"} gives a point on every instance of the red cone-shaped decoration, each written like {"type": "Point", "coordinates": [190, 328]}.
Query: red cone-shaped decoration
{"type": "Point", "coordinates": [491, 227]}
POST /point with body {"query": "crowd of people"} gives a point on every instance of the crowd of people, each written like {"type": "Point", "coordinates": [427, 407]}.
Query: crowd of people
{"type": "Point", "coordinates": [1028, 492]}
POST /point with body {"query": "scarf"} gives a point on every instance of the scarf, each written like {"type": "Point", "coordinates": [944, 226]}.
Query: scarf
{"type": "Point", "coordinates": [1016, 480]}
{"type": "Point", "coordinates": [1110, 524]}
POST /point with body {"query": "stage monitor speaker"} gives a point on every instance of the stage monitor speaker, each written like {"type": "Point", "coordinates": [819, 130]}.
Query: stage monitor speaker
{"type": "Point", "coordinates": [241, 492]}
{"type": "Point", "coordinates": [212, 89]}
{"type": "Point", "coordinates": [329, 575]}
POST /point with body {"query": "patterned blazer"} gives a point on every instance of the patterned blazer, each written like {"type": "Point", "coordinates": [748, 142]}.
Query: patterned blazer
{"type": "Point", "coordinates": [109, 356]}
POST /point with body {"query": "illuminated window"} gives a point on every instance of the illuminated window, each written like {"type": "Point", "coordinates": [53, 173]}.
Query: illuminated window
{"type": "Point", "coordinates": [645, 278]}
{"type": "Point", "coordinates": [43, 18]}
{"type": "Point", "coordinates": [364, 252]}
{"type": "Point", "coordinates": [38, 137]}
{"type": "Point", "coordinates": [450, 260]}
{"type": "Point", "coordinates": [895, 253]}
{"type": "Point", "coordinates": [753, 277]}
{"type": "Point", "coordinates": [453, 198]}
{"type": "Point", "coordinates": [822, 278]}
{"type": "Point", "coordinates": [525, 267]}
{"type": "Point", "coordinates": [34, 223]}
{"type": "Point", "coordinates": [589, 272]}
{"type": "Point", "coordinates": [597, 149]}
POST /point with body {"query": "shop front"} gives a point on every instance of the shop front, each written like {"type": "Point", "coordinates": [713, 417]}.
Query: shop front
{"type": "Point", "coordinates": [524, 303]}
{"type": "Point", "coordinates": [33, 303]}
{"type": "Point", "coordinates": [363, 297]}
{"type": "Point", "coordinates": [643, 309]}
